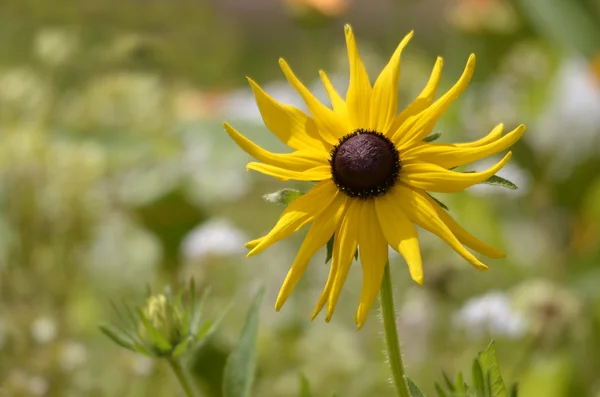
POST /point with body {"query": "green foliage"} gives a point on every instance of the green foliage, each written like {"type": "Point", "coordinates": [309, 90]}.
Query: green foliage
{"type": "Point", "coordinates": [170, 218]}
{"type": "Point", "coordinates": [169, 325]}
{"type": "Point", "coordinates": [439, 202]}
{"type": "Point", "coordinates": [432, 137]}
{"type": "Point", "coordinates": [241, 363]}
{"type": "Point", "coordinates": [283, 196]}
{"type": "Point", "coordinates": [413, 389]}
{"type": "Point", "coordinates": [304, 387]}
{"type": "Point", "coordinates": [329, 254]}
{"type": "Point", "coordinates": [485, 377]}
{"type": "Point", "coordinates": [93, 138]}
{"type": "Point", "coordinates": [330, 250]}
{"type": "Point", "coordinates": [569, 23]}
{"type": "Point", "coordinates": [496, 180]}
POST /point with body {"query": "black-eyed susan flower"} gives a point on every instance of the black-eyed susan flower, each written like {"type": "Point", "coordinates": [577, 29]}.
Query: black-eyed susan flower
{"type": "Point", "coordinates": [373, 172]}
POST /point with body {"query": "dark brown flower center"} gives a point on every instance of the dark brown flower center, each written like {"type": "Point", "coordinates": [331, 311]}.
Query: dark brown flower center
{"type": "Point", "coordinates": [365, 164]}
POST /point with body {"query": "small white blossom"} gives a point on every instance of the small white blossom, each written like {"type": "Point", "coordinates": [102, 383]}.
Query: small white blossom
{"type": "Point", "coordinates": [490, 314]}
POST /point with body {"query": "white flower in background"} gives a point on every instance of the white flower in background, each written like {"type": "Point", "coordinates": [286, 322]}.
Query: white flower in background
{"type": "Point", "coordinates": [216, 237]}
{"type": "Point", "coordinates": [142, 366]}
{"type": "Point", "coordinates": [38, 386]}
{"type": "Point", "coordinates": [54, 46]}
{"type": "Point", "coordinates": [72, 355]}
{"type": "Point", "coordinates": [44, 329]}
{"type": "Point", "coordinates": [573, 106]}
{"type": "Point", "coordinates": [22, 94]}
{"type": "Point", "coordinates": [491, 314]}
{"type": "Point", "coordinates": [21, 381]}
{"type": "Point", "coordinates": [548, 307]}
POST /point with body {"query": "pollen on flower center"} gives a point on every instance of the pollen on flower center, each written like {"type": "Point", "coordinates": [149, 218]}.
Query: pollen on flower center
{"type": "Point", "coordinates": [364, 164]}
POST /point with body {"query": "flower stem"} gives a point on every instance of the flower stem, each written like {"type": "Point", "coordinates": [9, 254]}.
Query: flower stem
{"type": "Point", "coordinates": [388, 313]}
{"type": "Point", "coordinates": [182, 377]}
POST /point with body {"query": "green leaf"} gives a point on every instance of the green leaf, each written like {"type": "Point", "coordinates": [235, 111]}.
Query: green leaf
{"type": "Point", "coordinates": [478, 382]}
{"type": "Point", "coordinates": [413, 389]}
{"type": "Point", "coordinates": [449, 383]}
{"type": "Point", "coordinates": [329, 250]}
{"type": "Point", "coordinates": [241, 364]}
{"type": "Point", "coordinates": [304, 387]}
{"type": "Point", "coordinates": [181, 348]}
{"type": "Point", "coordinates": [514, 390]}
{"type": "Point", "coordinates": [489, 364]}
{"type": "Point", "coordinates": [460, 384]}
{"type": "Point", "coordinates": [197, 312]}
{"type": "Point", "coordinates": [119, 337]}
{"type": "Point", "coordinates": [432, 137]}
{"type": "Point", "coordinates": [283, 196]}
{"type": "Point", "coordinates": [496, 180]}
{"type": "Point", "coordinates": [140, 348]}
{"type": "Point", "coordinates": [131, 317]}
{"type": "Point", "coordinates": [209, 327]}
{"type": "Point", "coordinates": [439, 202]}
{"type": "Point", "coordinates": [488, 384]}
{"type": "Point", "coordinates": [440, 392]}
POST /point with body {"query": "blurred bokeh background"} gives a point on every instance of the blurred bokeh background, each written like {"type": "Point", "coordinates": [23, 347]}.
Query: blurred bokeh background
{"type": "Point", "coordinates": [115, 174]}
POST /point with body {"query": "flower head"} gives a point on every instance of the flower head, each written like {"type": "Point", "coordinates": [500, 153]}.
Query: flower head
{"type": "Point", "coordinates": [373, 171]}
{"type": "Point", "coordinates": [168, 325]}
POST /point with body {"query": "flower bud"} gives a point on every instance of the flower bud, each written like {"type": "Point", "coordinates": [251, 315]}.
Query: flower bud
{"type": "Point", "coordinates": [166, 326]}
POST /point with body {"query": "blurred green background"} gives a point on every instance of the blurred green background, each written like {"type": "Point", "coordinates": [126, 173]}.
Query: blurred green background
{"type": "Point", "coordinates": [115, 174]}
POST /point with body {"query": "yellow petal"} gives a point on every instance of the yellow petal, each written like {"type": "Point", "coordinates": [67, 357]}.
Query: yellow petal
{"type": "Point", "coordinates": [339, 106]}
{"type": "Point", "coordinates": [399, 232]}
{"type": "Point", "coordinates": [437, 179]}
{"type": "Point", "coordinates": [297, 161]}
{"type": "Point", "coordinates": [336, 260]}
{"type": "Point", "coordinates": [299, 213]}
{"type": "Point", "coordinates": [449, 156]}
{"type": "Point", "coordinates": [495, 134]}
{"type": "Point", "coordinates": [292, 126]}
{"type": "Point", "coordinates": [424, 99]}
{"type": "Point", "coordinates": [419, 126]}
{"type": "Point", "coordinates": [253, 243]}
{"type": "Point", "coordinates": [358, 97]}
{"type": "Point", "coordinates": [384, 101]}
{"type": "Point", "coordinates": [333, 268]}
{"type": "Point", "coordinates": [344, 247]}
{"type": "Point", "coordinates": [318, 173]}
{"type": "Point", "coordinates": [419, 210]}
{"type": "Point", "coordinates": [462, 235]}
{"type": "Point", "coordinates": [330, 126]}
{"type": "Point", "coordinates": [373, 250]}
{"type": "Point", "coordinates": [319, 233]}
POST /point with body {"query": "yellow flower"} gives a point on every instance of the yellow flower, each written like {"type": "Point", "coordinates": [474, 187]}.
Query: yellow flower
{"type": "Point", "coordinates": [373, 171]}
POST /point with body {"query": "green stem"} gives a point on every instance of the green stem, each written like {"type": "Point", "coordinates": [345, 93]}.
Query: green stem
{"type": "Point", "coordinates": [182, 377]}
{"type": "Point", "coordinates": [388, 313]}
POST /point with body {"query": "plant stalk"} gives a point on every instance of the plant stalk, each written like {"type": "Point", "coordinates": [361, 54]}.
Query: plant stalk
{"type": "Point", "coordinates": [182, 377]}
{"type": "Point", "coordinates": [388, 314]}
